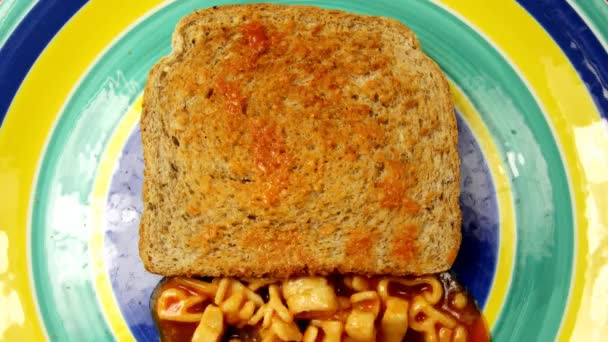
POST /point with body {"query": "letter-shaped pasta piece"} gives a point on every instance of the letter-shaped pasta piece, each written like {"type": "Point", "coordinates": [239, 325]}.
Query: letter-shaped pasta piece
{"type": "Point", "coordinates": [445, 334]}
{"type": "Point", "coordinates": [394, 321]}
{"type": "Point", "coordinates": [357, 283]}
{"type": "Point", "coordinates": [228, 286]}
{"type": "Point", "coordinates": [433, 317]}
{"type": "Point", "coordinates": [246, 313]}
{"type": "Point", "coordinates": [203, 287]}
{"type": "Point", "coordinates": [309, 294]}
{"type": "Point", "coordinates": [267, 310]}
{"type": "Point", "coordinates": [222, 290]}
{"type": "Point", "coordinates": [237, 286]}
{"type": "Point", "coordinates": [173, 305]}
{"type": "Point", "coordinates": [268, 335]}
{"type": "Point", "coordinates": [332, 330]}
{"type": "Point", "coordinates": [459, 301]}
{"type": "Point", "coordinates": [366, 301]}
{"type": "Point", "coordinates": [267, 318]}
{"type": "Point", "coordinates": [433, 296]}
{"type": "Point", "coordinates": [277, 305]}
{"type": "Point", "coordinates": [311, 334]}
{"type": "Point", "coordinates": [257, 317]}
{"type": "Point", "coordinates": [255, 284]}
{"type": "Point", "coordinates": [360, 325]}
{"type": "Point", "coordinates": [231, 307]}
{"type": "Point", "coordinates": [286, 331]}
{"type": "Point", "coordinates": [211, 326]}
{"type": "Point", "coordinates": [460, 334]}
{"type": "Point", "coordinates": [382, 288]}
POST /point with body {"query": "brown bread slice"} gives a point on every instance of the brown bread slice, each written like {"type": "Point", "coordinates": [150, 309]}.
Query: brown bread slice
{"type": "Point", "coordinates": [282, 140]}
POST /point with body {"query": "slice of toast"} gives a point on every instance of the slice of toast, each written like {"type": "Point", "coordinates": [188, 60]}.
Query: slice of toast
{"type": "Point", "coordinates": [282, 140]}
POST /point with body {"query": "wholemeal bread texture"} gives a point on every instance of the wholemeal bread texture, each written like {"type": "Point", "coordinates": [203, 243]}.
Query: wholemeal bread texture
{"type": "Point", "coordinates": [283, 140]}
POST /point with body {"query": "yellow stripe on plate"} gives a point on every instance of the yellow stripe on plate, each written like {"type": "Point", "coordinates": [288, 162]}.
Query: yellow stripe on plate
{"type": "Point", "coordinates": [103, 285]}
{"type": "Point", "coordinates": [572, 115]}
{"type": "Point", "coordinates": [506, 248]}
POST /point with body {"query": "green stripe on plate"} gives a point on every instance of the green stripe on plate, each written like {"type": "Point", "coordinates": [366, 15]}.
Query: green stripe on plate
{"type": "Point", "coordinates": [11, 13]}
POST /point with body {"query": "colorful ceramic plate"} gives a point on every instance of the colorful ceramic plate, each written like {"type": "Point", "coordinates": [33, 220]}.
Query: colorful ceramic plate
{"type": "Point", "coordinates": [530, 83]}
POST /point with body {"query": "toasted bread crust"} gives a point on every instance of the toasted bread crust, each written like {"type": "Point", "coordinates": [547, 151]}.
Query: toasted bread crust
{"type": "Point", "coordinates": [283, 140]}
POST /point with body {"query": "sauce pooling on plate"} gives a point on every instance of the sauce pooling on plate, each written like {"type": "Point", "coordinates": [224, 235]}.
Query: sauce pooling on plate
{"type": "Point", "coordinates": [312, 309]}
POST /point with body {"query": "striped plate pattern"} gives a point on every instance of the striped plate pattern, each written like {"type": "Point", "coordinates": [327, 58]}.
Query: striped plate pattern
{"type": "Point", "coordinates": [530, 84]}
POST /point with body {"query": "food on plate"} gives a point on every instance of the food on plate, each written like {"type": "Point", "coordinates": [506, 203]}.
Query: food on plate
{"type": "Point", "coordinates": [301, 182]}
{"type": "Point", "coordinates": [312, 309]}
{"type": "Point", "coordinates": [289, 140]}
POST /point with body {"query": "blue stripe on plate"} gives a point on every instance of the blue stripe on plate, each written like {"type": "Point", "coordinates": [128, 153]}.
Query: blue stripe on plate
{"type": "Point", "coordinates": [26, 43]}
{"type": "Point", "coordinates": [578, 42]}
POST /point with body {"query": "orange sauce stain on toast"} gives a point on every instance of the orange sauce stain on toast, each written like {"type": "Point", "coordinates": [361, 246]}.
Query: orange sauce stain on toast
{"type": "Point", "coordinates": [234, 101]}
{"type": "Point", "coordinates": [255, 36]}
{"type": "Point", "coordinates": [394, 186]}
{"type": "Point", "coordinates": [272, 162]}
{"type": "Point", "coordinates": [404, 245]}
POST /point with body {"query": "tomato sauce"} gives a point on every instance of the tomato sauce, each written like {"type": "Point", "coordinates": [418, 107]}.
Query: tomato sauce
{"type": "Point", "coordinates": [466, 313]}
{"type": "Point", "coordinates": [255, 36]}
{"type": "Point", "coordinates": [170, 330]}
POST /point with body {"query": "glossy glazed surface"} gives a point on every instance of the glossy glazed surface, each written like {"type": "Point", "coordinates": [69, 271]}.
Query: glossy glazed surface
{"type": "Point", "coordinates": [532, 102]}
